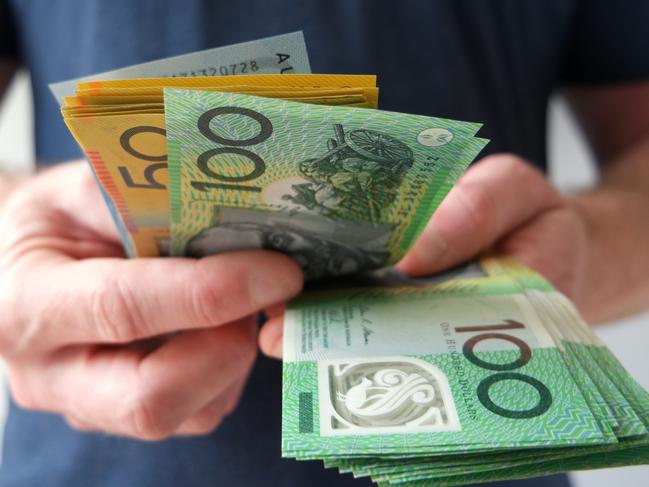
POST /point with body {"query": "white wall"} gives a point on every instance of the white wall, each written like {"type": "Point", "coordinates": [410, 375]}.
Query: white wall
{"type": "Point", "coordinates": [16, 134]}
{"type": "Point", "coordinates": [571, 167]}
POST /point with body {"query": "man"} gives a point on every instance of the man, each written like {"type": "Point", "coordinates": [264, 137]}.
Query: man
{"type": "Point", "coordinates": [94, 338]}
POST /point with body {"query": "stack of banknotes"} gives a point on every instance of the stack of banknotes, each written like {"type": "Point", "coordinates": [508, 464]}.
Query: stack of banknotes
{"type": "Point", "coordinates": [484, 374]}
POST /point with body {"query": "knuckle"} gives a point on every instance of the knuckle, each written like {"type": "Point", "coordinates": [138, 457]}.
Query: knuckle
{"type": "Point", "coordinates": [24, 401]}
{"type": "Point", "coordinates": [21, 393]}
{"type": "Point", "coordinates": [205, 422]}
{"type": "Point", "coordinates": [242, 345]}
{"type": "Point", "coordinates": [115, 313]}
{"type": "Point", "coordinates": [248, 351]}
{"type": "Point", "coordinates": [143, 418]}
{"type": "Point", "coordinates": [574, 222]}
{"type": "Point", "coordinates": [523, 173]}
{"type": "Point", "coordinates": [516, 167]}
{"type": "Point", "coordinates": [27, 317]}
{"type": "Point", "coordinates": [514, 161]}
{"type": "Point", "coordinates": [77, 424]}
{"type": "Point", "coordinates": [9, 321]}
{"type": "Point", "coordinates": [215, 295]}
{"type": "Point", "coordinates": [480, 208]}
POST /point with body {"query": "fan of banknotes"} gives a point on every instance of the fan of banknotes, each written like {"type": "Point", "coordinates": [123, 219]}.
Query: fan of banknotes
{"type": "Point", "coordinates": [487, 373]}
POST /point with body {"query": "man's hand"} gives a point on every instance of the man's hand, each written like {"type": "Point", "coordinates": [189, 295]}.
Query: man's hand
{"type": "Point", "coordinates": [504, 204]}
{"type": "Point", "coordinates": [501, 203]}
{"type": "Point", "coordinates": [146, 348]}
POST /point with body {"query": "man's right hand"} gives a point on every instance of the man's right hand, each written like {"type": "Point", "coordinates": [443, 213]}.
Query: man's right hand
{"type": "Point", "coordinates": [145, 348]}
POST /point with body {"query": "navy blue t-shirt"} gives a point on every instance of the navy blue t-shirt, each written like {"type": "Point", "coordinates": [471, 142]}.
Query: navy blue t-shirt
{"type": "Point", "coordinates": [493, 62]}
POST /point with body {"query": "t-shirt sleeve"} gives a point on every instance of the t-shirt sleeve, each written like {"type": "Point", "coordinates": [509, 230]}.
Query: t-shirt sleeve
{"type": "Point", "coordinates": [608, 42]}
{"type": "Point", "coordinates": [8, 32]}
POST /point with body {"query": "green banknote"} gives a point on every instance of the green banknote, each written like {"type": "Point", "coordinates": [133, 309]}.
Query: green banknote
{"type": "Point", "coordinates": [395, 371]}
{"type": "Point", "coordinates": [606, 378]}
{"type": "Point", "coordinates": [631, 453]}
{"type": "Point", "coordinates": [350, 323]}
{"type": "Point", "coordinates": [340, 189]}
{"type": "Point", "coordinates": [625, 422]}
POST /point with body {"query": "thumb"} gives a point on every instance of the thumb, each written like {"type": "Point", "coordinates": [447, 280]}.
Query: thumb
{"type": "Point", "coordinates": [495, 196]}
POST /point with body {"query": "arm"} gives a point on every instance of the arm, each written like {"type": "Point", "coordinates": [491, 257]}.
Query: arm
{"type": "Point", "coordinates": [616, 212]}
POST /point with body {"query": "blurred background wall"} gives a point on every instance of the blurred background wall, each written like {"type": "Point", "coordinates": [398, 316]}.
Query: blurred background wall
{"type": "Point", "coordinates": [571, 168]}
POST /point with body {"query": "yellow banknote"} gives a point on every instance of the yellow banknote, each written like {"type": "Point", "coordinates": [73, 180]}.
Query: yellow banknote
{"type": "Point", "coordinates": [285, 80]}
{"type": "Point", "coordinates": [105, 104]}
{"type": "Point", "coordinates": [119, 96]}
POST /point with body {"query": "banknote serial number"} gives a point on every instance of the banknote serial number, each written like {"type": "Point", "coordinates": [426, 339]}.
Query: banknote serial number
{"type": "Point", "coordinates": [245, 67]}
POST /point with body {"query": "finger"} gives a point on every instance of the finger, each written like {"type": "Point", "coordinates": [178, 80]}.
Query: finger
{"type": "Point", "coordinates": [546, 244]}
{"type": "Point", "coordinates": [210, 416]}
{"type": "Point", "coordinates": [123, 390]}
{"type": "Point", "coordinates": [119, 301]}
{"type": "Point", "coordinates": [84, 202]}
{"type": "Point", "coordinates": [494, 197]}
{"type": "Point", "coordinates": [276, 310]}
{"type": "Point", "coordinates": [79, 425]}
{"type": "Point", "coordinates": [220, 357]}
{"type": "Point", "coordinates": [271, 337]}
{"type": "Point", "coordinates": [41, 205]}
